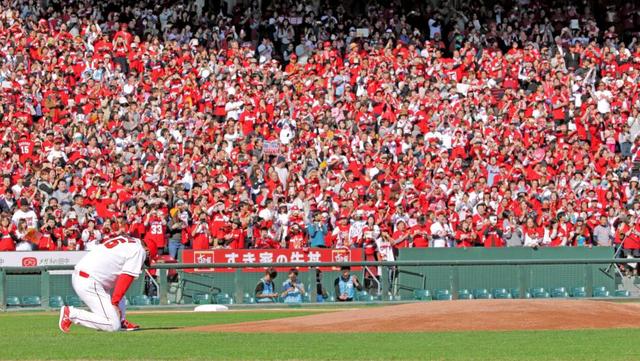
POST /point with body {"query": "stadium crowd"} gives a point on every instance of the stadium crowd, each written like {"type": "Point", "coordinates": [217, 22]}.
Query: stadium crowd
{"type": "Point", "coordinates": [294, 125]}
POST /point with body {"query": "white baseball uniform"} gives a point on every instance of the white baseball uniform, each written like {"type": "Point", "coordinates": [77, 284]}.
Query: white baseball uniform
{"type": "Point", "coordinates": [95, 276]}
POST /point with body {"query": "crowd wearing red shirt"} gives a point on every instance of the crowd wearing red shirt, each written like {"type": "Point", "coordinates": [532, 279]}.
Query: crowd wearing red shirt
{"type": "Point", "coordinates": [291, 125]}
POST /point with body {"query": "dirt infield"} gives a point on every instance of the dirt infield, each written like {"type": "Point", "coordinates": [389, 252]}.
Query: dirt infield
{"type": "Point", "coordinates": [499, 315]}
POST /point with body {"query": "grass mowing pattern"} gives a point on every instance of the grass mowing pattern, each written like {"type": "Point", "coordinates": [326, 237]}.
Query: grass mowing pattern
{"type": "Point", "coordinates": [36, 336]}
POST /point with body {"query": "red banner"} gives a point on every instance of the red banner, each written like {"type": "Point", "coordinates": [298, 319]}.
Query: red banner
{"type": "Point", "coordinates": [250, 256]}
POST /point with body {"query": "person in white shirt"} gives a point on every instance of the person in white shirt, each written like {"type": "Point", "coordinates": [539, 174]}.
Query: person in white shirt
{"type": "Point", "coordinates": [57, 153]}
{"type": "Point", "coordinates": [384, 247]}
{"type": "Point", "coordinates": [439, 231]}
{"type": "Point", "coordinates": [355, 230]}
{"type": "Point", "coordinates": [282, 223]}
{"type": "Point", "coordinates": [233, 106]}
{"type": "Point", "coordinates": [101, 279]}
{"type": "Point", "coordinates": [282, 171]}
{"type": "Point", "coordinates": [17, 188]}
{"type": "Point", "coordinates": [25, 213]}
{"type": "Point", "coordinates": [91, 237]}
{"type": "Point", "coordinates": [25, 238]}
{"type": "Point", "coordinates": [287, 134]}
{"type": "Point", "coordinates": [603, 96]}
{"type": "Point", "coordinates": [435, 27]}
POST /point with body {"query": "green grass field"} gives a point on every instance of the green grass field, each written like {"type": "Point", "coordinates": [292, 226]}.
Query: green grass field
{"type": "Point", "coordinates": [36, 337]}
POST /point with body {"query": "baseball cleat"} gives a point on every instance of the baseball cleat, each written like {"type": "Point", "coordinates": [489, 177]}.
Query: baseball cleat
{"type": "Point", "coordinates": [128, 326]}
{"type": "Point", "coordinates": [65, 322]}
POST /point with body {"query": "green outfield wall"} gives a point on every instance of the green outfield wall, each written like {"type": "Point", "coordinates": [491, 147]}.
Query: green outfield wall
{"type": "Point", "coordinates": [239, 283]}
{"type": "Point", "coordinates": [506, 276]}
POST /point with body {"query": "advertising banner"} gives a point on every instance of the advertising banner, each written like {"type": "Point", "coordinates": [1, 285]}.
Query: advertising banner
{"type": "Point", "coordinates": [35, 259]}
{"type": "Point", "coordinates": [249, 256]}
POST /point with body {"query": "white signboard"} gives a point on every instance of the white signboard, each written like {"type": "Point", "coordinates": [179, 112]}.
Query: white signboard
{"type": "Point", "coordinates": [362, 32]}
{"type": "Point", "coordinates": [271, 148]}
{"type": "Point", "coordinates": [35, 259]}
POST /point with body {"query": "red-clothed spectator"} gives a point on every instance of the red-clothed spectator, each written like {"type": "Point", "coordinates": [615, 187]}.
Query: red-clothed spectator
{"type": "Point", "coordinates": [156, 228]}
{"type": "Point", "coordinates": [7, 240]}
{"type": "Point", "coordinates": [236, 236]}
{"type": "Point", "coordinates": [200, 234]}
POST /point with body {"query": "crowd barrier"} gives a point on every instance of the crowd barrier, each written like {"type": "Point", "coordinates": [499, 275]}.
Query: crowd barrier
{"type": "Point", "coordinates": [433, 279]}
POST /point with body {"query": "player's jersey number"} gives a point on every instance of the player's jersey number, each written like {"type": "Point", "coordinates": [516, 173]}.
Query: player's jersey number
{"type": "Point", "coordinates": [116, 241]}
{"type": "Point", "coordinates": [156, 229]}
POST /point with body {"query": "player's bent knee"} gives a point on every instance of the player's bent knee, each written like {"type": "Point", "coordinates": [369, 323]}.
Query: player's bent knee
{"type": "Point", "coordinates": [115, 326]}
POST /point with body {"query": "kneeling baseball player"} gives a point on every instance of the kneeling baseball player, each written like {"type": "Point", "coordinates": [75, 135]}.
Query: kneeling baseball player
{"type": "Point", "coordinates": [112, 266]}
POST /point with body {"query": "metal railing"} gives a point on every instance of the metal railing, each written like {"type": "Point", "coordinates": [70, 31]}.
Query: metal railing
{"type": "Point", "coordinates": [44, 271]}
{"type": "Point", "coordinates": [420, 275]}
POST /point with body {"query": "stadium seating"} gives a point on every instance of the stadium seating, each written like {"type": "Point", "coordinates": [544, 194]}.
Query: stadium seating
{"type": "Point", "coordinates": [505, 295]}
{"type": "Point", "coordinates": [73, 301]}
{"type": "Point", "coordinates": [622, 293]}
{"type": "Point", "coordinates": [249, 299]}
{"type": "Point", "coordinates": [361, 296]}
{"type": "Point", "coordinates": [539, 292]}
{"type": "Point", "coordinates": [422, 295]}
{"type": "Point", "coordinates": [56, 301]}
{"type": "Point", "coordinates": [578, 292]}
{"type": "Point", "coordinates": [225, 301]}
{"type": "Point", "coordinates": [222, 296]}
{"type": "Point", "coordinates": [369, 298]}
{"type": "Point", "coordinates": [559, 292]}
{"type": "Point", "coordinates": [443, 295]}
{"type": "Point", "coordinates": [501, 293]}
{"type": "Point", "coordinates": [515, 293]}
{"type": "Point", "coordinates": [31, 301]}
{"type": "Point", "coordinates": [601, 291]}
{"type": "Point", "coordinates": [464, 294]}
{"type": "Point", "coordinates": [202, 298]}
{"type": "Point", "coordinates": [544, 294]}
{"type": "Point", "coordinates": [141, 300]}
{"type": "Point", "coordinates": [601, 294]}
{"type": "Point", "coordinates": [13, 301]}
{"type": "Point", "coordinates": [482, 294]}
